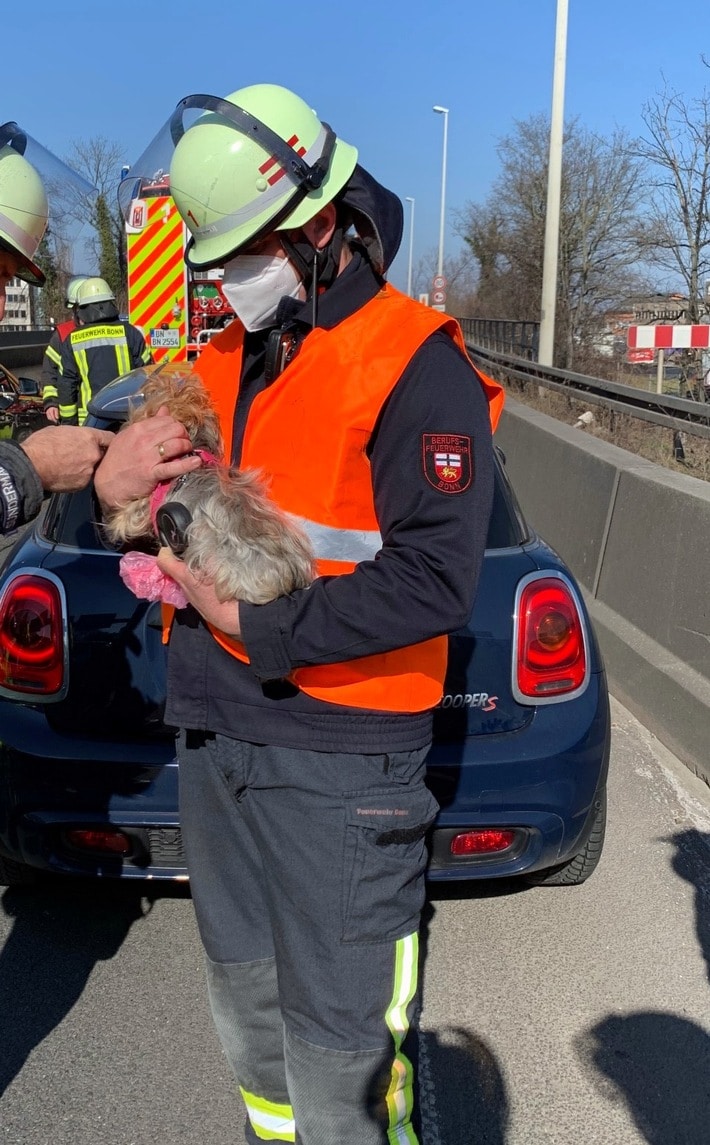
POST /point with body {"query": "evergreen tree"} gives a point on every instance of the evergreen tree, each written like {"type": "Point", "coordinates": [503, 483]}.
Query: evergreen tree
{"type": "Point", "coordinates": [109, 265]}
{"type": "Point", "coordinates": [48, 301]}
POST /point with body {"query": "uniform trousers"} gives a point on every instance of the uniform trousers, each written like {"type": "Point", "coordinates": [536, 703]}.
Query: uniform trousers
{"type": "Point", "coordinates": [307, 875]}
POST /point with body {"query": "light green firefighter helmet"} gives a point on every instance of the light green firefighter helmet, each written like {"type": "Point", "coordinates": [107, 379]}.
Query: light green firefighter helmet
{"type": "Point", "coordinates": [24, 211]}
{"type": "Point", "coordinates": [73, 289]}
{"type": "Point", "coordinates": [259, 161]}
{"type": "Point", "coordinates": [94, 290]}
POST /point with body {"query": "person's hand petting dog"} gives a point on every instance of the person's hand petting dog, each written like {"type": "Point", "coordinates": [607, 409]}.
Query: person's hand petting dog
{"type": "Point", "coordinates": [156, 449]}
{"type": "Point", "coordinates": [200, 593]}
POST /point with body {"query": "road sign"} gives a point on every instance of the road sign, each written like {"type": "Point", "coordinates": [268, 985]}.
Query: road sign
{"type": "Point", "coordinates": [439, 282]}
{"type": "Point", "coordinates": [668, 337]}
{"type": "Point", "coordinates": [637, 356]}
{"type": "Point", "coordinates": [438, 297]}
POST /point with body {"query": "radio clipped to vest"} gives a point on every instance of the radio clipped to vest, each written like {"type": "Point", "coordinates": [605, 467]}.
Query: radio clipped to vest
{"type": "Point", "coordinates": [281, 347]}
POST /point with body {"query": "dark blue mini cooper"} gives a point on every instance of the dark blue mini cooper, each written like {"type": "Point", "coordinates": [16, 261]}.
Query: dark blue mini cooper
{"type": "Point", "coordinates": [88, 776]}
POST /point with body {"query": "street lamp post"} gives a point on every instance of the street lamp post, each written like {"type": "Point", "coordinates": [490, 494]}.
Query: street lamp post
{"type": "Point", "coordinates": [554, 182]}
{"type": "Point", "coordinates": [411, 246]}
{"type": "Point", "coordinates": [445, 112]}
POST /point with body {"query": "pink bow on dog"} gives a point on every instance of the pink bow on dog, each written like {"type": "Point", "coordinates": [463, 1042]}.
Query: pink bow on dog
{"type": "Point", "coordinates": [140, 573]}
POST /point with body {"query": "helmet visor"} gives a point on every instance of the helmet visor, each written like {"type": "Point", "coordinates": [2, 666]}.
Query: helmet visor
{"type": "Point", "coordinates": [150, 175]}
{"type": "Point", "coordinates": [61, 197]}
{"type": "Point", "coordinates": [232, 176]}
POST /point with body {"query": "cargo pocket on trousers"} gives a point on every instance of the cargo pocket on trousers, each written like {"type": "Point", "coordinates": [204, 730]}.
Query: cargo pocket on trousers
{"type": "Point", "coordinates": [385, 858]}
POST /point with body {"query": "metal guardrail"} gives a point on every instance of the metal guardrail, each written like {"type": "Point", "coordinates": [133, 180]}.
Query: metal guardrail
{"type": "Point", "coordinates": [678, 414]}
{"type": "Point", "coordinates": [490, 342]}
{"type": "Point", "coordinates": [504, 336]}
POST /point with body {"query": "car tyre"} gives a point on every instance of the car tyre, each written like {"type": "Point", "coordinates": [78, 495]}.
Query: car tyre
{"type": "Point", "coordinates": [15, 874]}
{"type": "Point", "coordinates": [577, 869]}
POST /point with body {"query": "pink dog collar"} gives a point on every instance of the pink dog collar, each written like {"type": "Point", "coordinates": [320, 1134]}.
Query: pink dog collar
{"type": "Point", "coordinates": [162, 489]}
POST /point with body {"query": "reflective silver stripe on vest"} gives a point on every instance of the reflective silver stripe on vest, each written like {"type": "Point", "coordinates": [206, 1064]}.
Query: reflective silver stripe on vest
{"type": "Point", "coordinates": [331, 544]}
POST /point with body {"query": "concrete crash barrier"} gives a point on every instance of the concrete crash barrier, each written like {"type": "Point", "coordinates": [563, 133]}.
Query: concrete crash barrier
{"type": "Point", "coordinates": [23, 347]}
{"type": "Point", "coordinates": [637, 537]}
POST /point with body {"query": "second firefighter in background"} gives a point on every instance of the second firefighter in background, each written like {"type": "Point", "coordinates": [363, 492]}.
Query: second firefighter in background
{"type": "Point", "coordinates": [100, 349]}
{"type": "Point", "coordinates": [52, 361]}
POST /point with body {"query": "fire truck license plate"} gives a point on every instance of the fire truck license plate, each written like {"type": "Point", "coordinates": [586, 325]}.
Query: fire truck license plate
{"type": "Point", "coordinates": [165, 339]}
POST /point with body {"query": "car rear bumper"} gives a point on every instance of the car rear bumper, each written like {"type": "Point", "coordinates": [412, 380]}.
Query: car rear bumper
{"type": "Point", "coordinates": [488, 781]}
{"type": "Point", "coordinates": [513, 781]}
{"type": "Point", "coordinates": [42, 800]}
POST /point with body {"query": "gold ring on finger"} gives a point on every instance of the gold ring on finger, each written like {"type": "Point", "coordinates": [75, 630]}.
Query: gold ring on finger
{"type": "Point", "coordinates": [161, 449]}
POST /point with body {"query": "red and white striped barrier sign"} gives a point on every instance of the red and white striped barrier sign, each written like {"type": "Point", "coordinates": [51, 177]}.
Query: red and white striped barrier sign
{"type": "Point", "coordinates": [668, 337]}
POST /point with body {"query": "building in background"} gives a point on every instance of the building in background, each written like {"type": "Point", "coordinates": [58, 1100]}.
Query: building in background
{"type": "Point", "coordinates": [18, 306]}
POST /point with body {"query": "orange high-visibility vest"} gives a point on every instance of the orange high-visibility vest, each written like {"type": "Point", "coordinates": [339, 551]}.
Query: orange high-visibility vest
{"type": "Point", "coordinates": [308, 433]}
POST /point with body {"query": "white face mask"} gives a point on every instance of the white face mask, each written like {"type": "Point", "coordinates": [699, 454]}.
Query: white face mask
{"type": "Point", "coordinates": [254, 284]}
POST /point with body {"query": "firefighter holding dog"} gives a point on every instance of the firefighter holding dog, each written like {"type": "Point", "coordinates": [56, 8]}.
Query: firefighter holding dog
{"type": "Point", "coordinates": [305, 722]}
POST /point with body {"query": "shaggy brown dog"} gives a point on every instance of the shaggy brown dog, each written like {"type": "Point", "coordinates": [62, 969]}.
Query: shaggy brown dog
{"type": "Point", "coordinates": [237, 536]}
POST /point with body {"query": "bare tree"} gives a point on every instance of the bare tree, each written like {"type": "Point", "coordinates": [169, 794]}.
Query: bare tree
{"type": "Point", "coordinates": [675, 235]}
{"type": "Point", "coordinates": [100, 161]}
{"type": "Point", "coordinates": [461, 277]}
{"type": "Point", "coordinates": [600, 199]}
{"type": "Point", "coordinates": [675, 232]}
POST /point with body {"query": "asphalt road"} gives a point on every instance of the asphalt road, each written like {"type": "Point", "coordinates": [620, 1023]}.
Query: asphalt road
{"type": "Point", "coordinates": [552, 1016]}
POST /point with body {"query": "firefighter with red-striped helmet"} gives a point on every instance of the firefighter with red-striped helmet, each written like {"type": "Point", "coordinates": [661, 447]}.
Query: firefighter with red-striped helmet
{"type": "Point", "coordinates": [305, 722]}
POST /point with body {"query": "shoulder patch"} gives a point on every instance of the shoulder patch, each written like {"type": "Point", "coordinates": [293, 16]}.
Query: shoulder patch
{"type": "Point", "coordinates": [448, 461]}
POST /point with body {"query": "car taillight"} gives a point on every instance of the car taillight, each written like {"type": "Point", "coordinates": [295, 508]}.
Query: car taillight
{"type": "Point", "coordinates": [551, 652]}
{"type": "Point", "coordinates": [108, 840]}
{"type": "Point", "coordinates": [31, 636]}
{"type": "Point", "coordinates": [482, 841]}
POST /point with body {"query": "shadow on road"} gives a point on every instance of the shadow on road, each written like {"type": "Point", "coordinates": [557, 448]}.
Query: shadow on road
{"type": "Point", "coordinates": [464, 1097]}
{"type": "Point", "coordinates": [59, 932]}
{"type": "Point", "coordinates": [463, 1093]}
{"type": "Point", "coordinates": [692, 862]}
{"type": "Point", "coordinates": [660, 1063]}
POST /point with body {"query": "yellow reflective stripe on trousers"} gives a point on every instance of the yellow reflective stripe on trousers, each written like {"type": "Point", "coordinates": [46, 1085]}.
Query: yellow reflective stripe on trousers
{"type": "Point", "coordinates": [400, 1095]}
{"type": "Point", "coordinates": [269, 1120]}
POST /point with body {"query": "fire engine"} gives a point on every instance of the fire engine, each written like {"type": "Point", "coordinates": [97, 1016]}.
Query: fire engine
{"type": "Point", "coordinates": [178, 309]}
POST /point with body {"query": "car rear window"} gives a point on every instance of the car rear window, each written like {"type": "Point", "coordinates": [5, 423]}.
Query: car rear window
{"type": "Point", "coordinates": [507, 527]}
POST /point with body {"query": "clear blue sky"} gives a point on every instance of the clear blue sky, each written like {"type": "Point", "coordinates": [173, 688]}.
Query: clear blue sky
{"type": "Point", "coordinates": [372, 69]}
